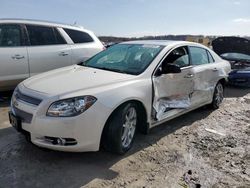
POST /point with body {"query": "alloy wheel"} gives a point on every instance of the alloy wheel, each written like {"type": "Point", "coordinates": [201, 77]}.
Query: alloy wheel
{"type": "Point", "coordinates": [219, 94]}
{"type": "Point", "coordinates": [129, 127]}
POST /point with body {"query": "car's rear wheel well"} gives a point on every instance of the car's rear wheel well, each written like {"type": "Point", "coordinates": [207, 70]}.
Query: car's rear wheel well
{"type": "Point", "coordinates": [215, 104]}
{"type": "Point", "coordinates": [142, 125]}
{"type": "Point", "coordinates": [223, 82]}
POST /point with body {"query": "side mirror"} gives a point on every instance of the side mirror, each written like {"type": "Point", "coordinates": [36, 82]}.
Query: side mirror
{"type": "Point", "coordinates": [80, 63]}
{"type": "Point", "coordinates": [170, 68]}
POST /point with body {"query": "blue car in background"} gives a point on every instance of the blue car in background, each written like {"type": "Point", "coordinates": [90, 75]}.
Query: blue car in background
{"type": "Point", "coordinates": [236, 50]}
{"type": "Point", "coordinates": [240, 64]}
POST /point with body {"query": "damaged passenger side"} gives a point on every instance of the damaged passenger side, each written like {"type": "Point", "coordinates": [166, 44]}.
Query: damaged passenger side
{"type": "Point", "coordinates": [173, 83]}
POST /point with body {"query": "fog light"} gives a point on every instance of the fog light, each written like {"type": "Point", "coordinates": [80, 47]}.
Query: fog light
{"type": "Point", "coordinates": [61, 141]}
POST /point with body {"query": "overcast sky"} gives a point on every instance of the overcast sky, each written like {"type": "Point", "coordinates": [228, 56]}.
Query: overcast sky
{"type": "Point", "coordinates": [139, 17]}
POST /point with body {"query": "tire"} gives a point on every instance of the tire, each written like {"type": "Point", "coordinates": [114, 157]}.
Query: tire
{"type": "Point", "coordinates": [120, 131]}
{"type": "Point", "coordinates": [218, 96]}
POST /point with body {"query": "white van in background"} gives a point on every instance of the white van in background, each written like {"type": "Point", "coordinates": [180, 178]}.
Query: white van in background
{"type": "Point", "coordinates": [29, 47]}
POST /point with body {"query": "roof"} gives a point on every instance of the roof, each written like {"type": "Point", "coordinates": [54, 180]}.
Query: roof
{"type": "Point", "coordinates": [39, 22]}
{"type": "Point", "coordinates": [159, 42]}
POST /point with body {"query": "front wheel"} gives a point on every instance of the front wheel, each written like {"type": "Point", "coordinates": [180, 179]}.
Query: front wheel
{"type": "Point", "coordinates": [218, 96]}
{"type": "Point", "coordinates": [120, 131]}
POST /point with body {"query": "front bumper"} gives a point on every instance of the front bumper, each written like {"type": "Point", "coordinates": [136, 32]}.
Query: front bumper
{"type": "Point", "coordinates": [73, 134]}
{"type": "Point", "coordinates": [237, 79]}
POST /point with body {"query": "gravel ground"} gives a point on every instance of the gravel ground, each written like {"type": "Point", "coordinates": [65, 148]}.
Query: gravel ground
{"type": "Point", "coordinates": [203, 148]}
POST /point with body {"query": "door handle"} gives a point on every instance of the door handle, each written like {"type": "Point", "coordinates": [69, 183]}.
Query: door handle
{"type": "Point", "coordinates": [215, 69]}
{"type": "Point", "coordinates": [63, 54]}
{"type": "Point", "coordinates": [17, 56]}
{"type": "Point", "coordinates": [189, 75]}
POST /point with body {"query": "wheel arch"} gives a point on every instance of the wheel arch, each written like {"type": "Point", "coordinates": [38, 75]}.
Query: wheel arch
{"type": "Point", "coordinates": [223, 81]}
{"type": "Point", "coordinates": [143, 125]}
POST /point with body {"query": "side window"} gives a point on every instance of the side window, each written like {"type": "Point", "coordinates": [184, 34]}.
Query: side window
{"type": "Point", "coordinates": [210, 57]}
{"type": "Point", "coordinates": [59, 38]}
{"type": "Point", "coordinates": [10, 35]}
{"type": "Point", "coordinates": [78, 36]}
{"type": "Point", "coordinates": [178, 56]}
{"type": "Point", "coordinates": [40, 35]}
{"type": "Point", "coordinates": [198, 56]}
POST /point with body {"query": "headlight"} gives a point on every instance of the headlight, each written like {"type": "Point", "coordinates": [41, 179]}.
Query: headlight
{"type": "Point", "coordinates": [70, 107]}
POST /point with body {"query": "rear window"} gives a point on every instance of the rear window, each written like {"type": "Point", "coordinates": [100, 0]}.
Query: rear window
{"type": "Point", "coordinates": [10, 35]}
{"type": "Point", "coordinates": [40, 35]}
{"type": "Point", "coordinates": [198, 56]}
{"type": "Point", "coordinates": [78, 36]}
{"type": "Point", "coordinates": [59, 38]}
{"type": "Point", "coordinates": [210, 57]}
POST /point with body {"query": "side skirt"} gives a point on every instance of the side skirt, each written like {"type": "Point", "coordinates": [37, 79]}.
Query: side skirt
{"type": "Point", "coordinates": [174, 113]}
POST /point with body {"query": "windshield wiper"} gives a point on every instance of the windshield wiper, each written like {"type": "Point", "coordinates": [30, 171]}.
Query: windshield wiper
{"type": "Point", "coordinates": [108, 69]}
{"type": "Point", "coordinates": [111, 69]}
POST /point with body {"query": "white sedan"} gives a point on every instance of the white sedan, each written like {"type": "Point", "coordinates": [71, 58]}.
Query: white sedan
{"type": "Point", "coordinates": [129, 87]}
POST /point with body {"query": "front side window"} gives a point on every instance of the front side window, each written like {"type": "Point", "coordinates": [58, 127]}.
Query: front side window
{"type": "Point", "coordinates": [78, 36]}
{"type": "Point", "coordinates": [40, 35]}
{"type": "Point", "coordinates": [125, 58]}
{"type": "Point", "coordinates": [178, 56]}
{"type": "Point", "coordinates": [198, 56]}
{"type": "Point", "coordinates": [10, 35]}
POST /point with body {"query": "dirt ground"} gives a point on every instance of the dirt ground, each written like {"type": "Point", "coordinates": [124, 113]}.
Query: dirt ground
{"type": "Point", "coordinates": [203, 148]}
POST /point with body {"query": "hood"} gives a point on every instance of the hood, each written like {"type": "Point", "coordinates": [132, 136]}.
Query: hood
{"type": "Point", "coordinates": [223, 45]}
{"type": "Point", "coordinates": [73, 78]}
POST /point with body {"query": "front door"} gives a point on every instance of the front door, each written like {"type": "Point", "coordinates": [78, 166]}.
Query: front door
{"type": "Point", "coordinates": [48, 50]}
{"type": "Point", "coordinates": [173, 91]}
{"type": "Point", "coordinates": [13, 56]}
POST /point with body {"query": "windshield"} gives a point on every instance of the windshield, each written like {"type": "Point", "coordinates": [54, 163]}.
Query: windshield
{"type": "Point", "coordinates": [235, 56]}
{"type": "Point", "coordinates": [125, 58]}
{"type": "Point", "coordinates": [238, 61]}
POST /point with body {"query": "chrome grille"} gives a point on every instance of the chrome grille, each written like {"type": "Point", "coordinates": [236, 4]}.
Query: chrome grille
{"type": "Point", "coordinates": [27, 98]}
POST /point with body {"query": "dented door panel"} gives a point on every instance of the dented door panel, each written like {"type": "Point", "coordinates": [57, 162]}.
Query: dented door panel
{"type": "Point", "coordinates": [180, 92]}
{"type": "Point", "coordinates": [172, 91]}
{"type": "Point", "coordinates": [203, 85]}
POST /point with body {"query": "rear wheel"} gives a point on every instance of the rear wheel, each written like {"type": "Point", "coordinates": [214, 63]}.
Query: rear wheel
{"type": "Point", "coordinates": [121, 128]}
{"type": "Point", "coordinates": [218, 96]}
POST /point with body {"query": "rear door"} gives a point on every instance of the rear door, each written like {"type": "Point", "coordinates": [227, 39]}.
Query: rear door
{"type": "Point", "coordinates": [13, 56]}
{"type": "Point", "coordinates": [173, 91]}
{"type": "Point", "coordinates": [83, 45]}
{"type": "Point", "coordinates": [47, 50]}
{"type": "Point", "coordinates": [205, 74]}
